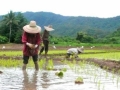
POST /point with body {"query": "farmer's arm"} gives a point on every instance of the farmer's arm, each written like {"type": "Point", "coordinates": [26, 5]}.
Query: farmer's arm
{"type": "Point", "coordinates": [24, 38]}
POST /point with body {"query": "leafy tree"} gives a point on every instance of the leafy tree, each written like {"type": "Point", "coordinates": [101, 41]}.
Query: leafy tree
{"type": "Point", "coordinates": [87, 39]}
{"type": "Point", "coordinates": [10, 20]}
{"type": "Point", "coordinates": [22, 21]}
{"type": "Point", "coordinates": [84, 37]}
{"type": "Point", "coordinates": [80, 36]}
{"type": "Point", "coordinates": [16, 27]}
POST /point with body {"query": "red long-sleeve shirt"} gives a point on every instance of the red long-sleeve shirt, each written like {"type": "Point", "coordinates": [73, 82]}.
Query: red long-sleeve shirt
{"type": "Point", "coordinates": [33, 39]}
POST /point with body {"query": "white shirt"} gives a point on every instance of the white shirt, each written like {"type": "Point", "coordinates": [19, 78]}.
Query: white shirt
{"type": "Point", "coordinates": [72, 51]}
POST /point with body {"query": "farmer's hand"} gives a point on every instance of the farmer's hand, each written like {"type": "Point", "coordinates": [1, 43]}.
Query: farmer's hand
{"type": "Point", "coordinates": [36, 46]}
{"type": "Point", "coordinates": [32, 46]}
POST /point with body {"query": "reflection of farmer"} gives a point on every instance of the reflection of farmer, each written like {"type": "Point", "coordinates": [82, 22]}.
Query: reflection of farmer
{"type": "Point", "coordinates": [31, 40]}
{"type": "Point", "coordinates": [45, 39]}
{"type": "Point", "coordinates": [29, 84]}
{"type": "Point", "coordinates": [74, 52]}
{"type": "Point", "coordinates": [45, 80]}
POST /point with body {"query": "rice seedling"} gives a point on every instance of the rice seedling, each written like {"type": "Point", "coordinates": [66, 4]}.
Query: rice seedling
{"type": "Point", "coordinates": [99, 84]}
{"type": "Point", "coordinates": [50, 65]}
{"type": "Point", "coordinates": [79, 80]}
{"type": "Point", "coordinates": [59, 74]}
{"type": "Point", "coordinates": [117, 82]}
{"type": "Point", "coordinates": [10, 63]}
{"type": "Point", "coordinates": [64, 69]}
{"type": "Point", "coordinates": [42, 63]}
{"type": "Point", "coordinates": [83, 63]}
{"type": "Point", "coordinates": [106, 74]}
{"type": "Point", "coordinates": [95, 77]}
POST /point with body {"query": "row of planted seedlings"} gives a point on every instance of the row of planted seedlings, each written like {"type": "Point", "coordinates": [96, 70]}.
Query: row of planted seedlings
{"type": "Point", "coordinates": [106, 56]}
{"type": "Point", "coordinates": [78, 68]}
{"type": "Point", "coordinates": [104, 75]}
{"type": "Point", "coordinates": [96, 75]}
{"type": "Point", "coordinates": [8, 58]}
{"type": "Point", "coordinates": [101, 54]}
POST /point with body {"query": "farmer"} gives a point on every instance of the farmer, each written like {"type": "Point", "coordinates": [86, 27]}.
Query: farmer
{"type": "Point", "coordinates": [45, 39]}
{"type": "Point", "coordinates": [31, 40]}
{"type": "Point", "coordinates": [74, 52]}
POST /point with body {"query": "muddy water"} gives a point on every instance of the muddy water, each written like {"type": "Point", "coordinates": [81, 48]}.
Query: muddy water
{"type": "Point", "coordinates": [94, 79]}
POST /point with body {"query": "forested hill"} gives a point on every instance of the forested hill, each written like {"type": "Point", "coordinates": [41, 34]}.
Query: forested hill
{"type": "Point", "coordinates": [70, 26]}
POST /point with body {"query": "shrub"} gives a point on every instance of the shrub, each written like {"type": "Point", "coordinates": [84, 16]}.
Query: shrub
{"type": "Point", "coordinates": [3, 39]}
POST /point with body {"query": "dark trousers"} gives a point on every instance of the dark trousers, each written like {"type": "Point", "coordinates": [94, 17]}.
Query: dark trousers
{"type": "Point", "coordinates": [26, 58]}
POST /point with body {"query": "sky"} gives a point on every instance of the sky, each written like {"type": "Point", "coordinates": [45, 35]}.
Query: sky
{"type": "Point", "coordinates": [87, 8]}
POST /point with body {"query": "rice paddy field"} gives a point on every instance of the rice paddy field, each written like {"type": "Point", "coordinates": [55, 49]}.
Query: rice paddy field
{"type": "Point", "coordinates": [95, 69]}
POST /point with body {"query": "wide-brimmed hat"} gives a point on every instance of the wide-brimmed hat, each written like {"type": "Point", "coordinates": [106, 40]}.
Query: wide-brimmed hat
{"type": "Point", "coordinates": [48, 28]}
{"type": "Point", "coordinates": [80, 49]}
{"type": "Point", "coordinates": [32, 27]}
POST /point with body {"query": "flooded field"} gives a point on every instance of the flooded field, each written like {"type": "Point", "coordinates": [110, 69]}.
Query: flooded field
{"type": "Point", "coordinates": [94, 78]}
{"type": "Point", "coordinates": [92, 71]}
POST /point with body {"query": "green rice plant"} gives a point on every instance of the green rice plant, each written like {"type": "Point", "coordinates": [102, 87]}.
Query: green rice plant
{"type": "Point", "coordinates": [30, 62]}
{"type": "Point", "coordinates": [59, 74]}
{"type": "Point", "coordinates": [117, 81]}
{"type": "Point", "coordinates": [71, 65]}
{"type": "Point", "coordinates": [113, 76]}
{"type": "Point", "coordinates": [106, 74]}
{"type": "Point", "coordinates": [50, 65]}
{"type": "Point", "coordinates": [54, 52]}
{"type": "Point", "coordinates": [41, 63]}
{"type": "Point", "coordinates": [95, 77]}
{"type": "Point", "coordinates": [99, 84]}
{"type": "Point", "coordinates": [82, 64]}
{"type": "Point", "coordinates": [64, 61]}
{"type": "Point", "coordinates": [64, 69]}
{"type": "Point", "coordinates": [118, 71]}
{"type": "Point", "coordinates": [10, 63]}
{"type": "Point", "coordinates": [79, 80]}
{"type": "Point", "coordinates": [109, 55]}
{"type": "Point", "coordinates": [74, 61]}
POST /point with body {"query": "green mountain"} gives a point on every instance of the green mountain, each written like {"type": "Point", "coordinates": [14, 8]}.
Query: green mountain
{"type": "Point", "coordinates": [70, 25]}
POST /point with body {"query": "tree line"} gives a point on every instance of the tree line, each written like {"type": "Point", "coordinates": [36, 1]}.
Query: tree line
{"type": "Point", "coordinates": [11, 32]}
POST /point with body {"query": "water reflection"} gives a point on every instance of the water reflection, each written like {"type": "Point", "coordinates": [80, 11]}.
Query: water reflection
{"type": "Point", "coordinates": [94, 79]}
{"type": "Point", "coordinates": [29, 83]}
{"type": "Point", "coordinates": [45, 80]}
